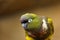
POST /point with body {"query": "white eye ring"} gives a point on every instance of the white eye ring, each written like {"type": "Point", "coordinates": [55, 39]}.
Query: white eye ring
{"type": "Point", "coordinates": [29, 20]}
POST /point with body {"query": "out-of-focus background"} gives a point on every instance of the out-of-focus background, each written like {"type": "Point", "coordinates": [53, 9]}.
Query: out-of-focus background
{"type": "Point", "coordinates": [11, 10]}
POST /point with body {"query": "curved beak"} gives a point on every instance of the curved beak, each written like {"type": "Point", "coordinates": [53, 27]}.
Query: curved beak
{"type": "Point", "coordinates": [24, 25]}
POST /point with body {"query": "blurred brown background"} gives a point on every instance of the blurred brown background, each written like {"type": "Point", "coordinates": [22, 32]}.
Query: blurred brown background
{"type": "Point", "coordinates": [11, 10]}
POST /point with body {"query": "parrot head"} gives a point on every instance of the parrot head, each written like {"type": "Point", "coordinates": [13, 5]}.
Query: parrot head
{"type": "Point", "coordinates": [30, 21]}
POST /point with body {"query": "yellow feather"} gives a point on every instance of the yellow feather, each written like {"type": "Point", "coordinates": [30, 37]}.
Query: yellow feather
{"type": "Point", "coordinates": [49, 20]}
{"type": "Point", "coordinates": [29, 38]}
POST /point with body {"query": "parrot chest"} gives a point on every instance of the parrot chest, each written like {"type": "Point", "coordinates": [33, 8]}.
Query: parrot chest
{"type": "Point", "coordinates": [41, 33]}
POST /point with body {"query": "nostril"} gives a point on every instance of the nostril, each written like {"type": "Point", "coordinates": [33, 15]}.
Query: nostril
{"type": "Point", "coordinates": [24, 21]}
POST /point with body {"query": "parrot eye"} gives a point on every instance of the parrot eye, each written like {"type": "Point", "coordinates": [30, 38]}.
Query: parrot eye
{"type": "Point", "coordinates": [24, 21]}
{"type": "Point", "coordinates": [29, 20]}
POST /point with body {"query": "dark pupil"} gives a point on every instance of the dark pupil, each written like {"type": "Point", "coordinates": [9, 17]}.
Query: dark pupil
{"type": "Point", "coordinates": [24, 21]}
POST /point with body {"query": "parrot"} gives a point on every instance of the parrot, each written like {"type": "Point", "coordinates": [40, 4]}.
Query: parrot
{"type": "Point", "coordinates": [37, 27]}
